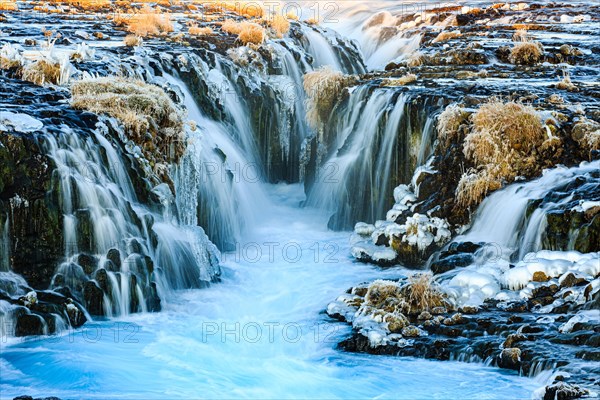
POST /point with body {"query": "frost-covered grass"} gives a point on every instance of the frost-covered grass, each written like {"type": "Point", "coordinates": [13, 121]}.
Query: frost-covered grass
{"type": "Point", "coordinates": [501, 144]}
{"type": "Point", "coordinates": [142, 108]}
{"type": "Point", "coordinates": [587, 133]}
{"type": "Point", "coordinates": [132, 40]}
{"type": "Point", "coordinates": [448, 123]}
{"type": "Point", "coordinates": [422, 294]}
{"type": "Point", "coordinates": [526, 53]}
{"type": "Point", "coordinates": [42, 72]}
{"type": "Point", "coordinates": [323, 87]}
{"type": "Point", "coordinates": [566, 84]}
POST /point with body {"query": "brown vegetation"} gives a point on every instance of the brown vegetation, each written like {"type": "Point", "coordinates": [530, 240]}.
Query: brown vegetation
{"type": "Point", "coordinates": [42, 71]}
{"type": "Point", "coordinates": [142, 108]}
{"type": "Point", "coordinates": [526, 53]}
{"type": "Point", "coordinates": [323, 88]}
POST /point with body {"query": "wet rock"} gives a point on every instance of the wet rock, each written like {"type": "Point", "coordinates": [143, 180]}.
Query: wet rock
{"type": "Point", "coordinates": [569, 280]}
{"type": "Point", "coordinates": [114, 255]}
{"type": "Point", "coordinates": [540, 276]}
{"type": "Point", "coordinates": [29, 324]}
{"type": "Point", "coordinates": [93, 298]}
{"type": "Point", "coordinates": [563, 391]}
{"type": "Point", "coordinates": [411, 331]}
{"type": "Point", "coordinates": [451, 262]}
{"type": "Point", "coordinates": [510, 358]}
{"type": "Point", "coordinates": [88, 262]}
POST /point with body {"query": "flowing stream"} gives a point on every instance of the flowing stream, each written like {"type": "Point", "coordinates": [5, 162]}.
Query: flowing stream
{"type": "Point", "coordinates": [260, 333]}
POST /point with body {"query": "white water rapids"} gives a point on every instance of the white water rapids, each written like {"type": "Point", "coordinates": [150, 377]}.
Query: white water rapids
{"type": "Point", "coordinates": [260, 333]}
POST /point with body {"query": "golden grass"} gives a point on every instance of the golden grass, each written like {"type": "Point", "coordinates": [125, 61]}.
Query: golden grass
{"type": "Point", "coordinates": [280, 25]}
{"type": "Point", "coordinates": [447, 35]}
{"type": "Point", "coordinates": [526, 53]}
{"type": "Point", "coordinates": [247, 32]}
{"type": "Point", "coordinates": [8, 5]}
{"type": "Point", "coordinates": [149, 22]}
{"type": "Point", "coordinates": [231, 26]}
{"type": "Point", "coordinates": [475, 185]}
{"type": "Point", "coordinates": [422, 293]}
{"type": "Point", "coordinates": [9, 63]}
{"type": "Point", "coordinates": [141, 107]}
{"type": "Point", "coordinates": [379, 293]}
{"type": "Point", "coordinates": [323, 88]}
{"type": "Point", "coordinates": [449, 122]}
{"type": "Point", "coordinates": [86, 4]}
{"type": "Point", "coordinates": [292, 16]}
{"type": "Point", "coordinates": [251, 33]}
{"type": "Point", "coordinates": [42, 71]}
{"type": "Point", "coordinates": [195, 30]}
{"type": "Point", "coordinates": [132, 40]}
{"type": "Point", "coordinates": [507, 139]}
{"type": "Point", "coordinates": [403, 80]}
{"type": "Point", "coordinates": [312, 21]}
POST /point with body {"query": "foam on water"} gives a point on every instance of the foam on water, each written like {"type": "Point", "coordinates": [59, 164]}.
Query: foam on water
{"type": "Point", "coordinates": [206, 343]}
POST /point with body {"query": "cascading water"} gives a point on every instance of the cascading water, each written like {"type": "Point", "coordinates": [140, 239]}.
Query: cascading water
{"type": "Point", "coordinates": [216, 186]}
{"type": "Point", "coordinates": [503, 216]}
{"type": "Point", "coordinates": [129, 250]}
{"type": "Point", "coordinates": [131, 253]}
{"type": "Point", "coordinates": [361, 155]}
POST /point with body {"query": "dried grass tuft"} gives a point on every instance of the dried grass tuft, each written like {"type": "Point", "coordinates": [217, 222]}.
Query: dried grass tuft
{"type": "Point", "coordinates": [133, 40]}
{"type": "Point", "coordinates": [447, 35]}
{"type": "Point", "coordinates": [142, 108]}
{"type": "Point", "coordinates": [280, 25]}
{"type": "Point", "coordinates": [42, 72]}
{"type": "Point", "coordinates": [403, 80]}
{"type": "Point", "coordinates": [8, 5]}
{"type": "Point", "coordinates": [526, 53]}
{"type": "Point", "coordinates": [505, 140]}
{"type": "Point", "coordinates": [422, 294]}
{"type": "Point", "coordinates": [323, 88]}
{"type": "Point", "coordinates": [149, 22]}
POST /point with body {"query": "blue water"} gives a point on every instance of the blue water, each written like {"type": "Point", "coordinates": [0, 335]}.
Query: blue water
{"type": "Point", "coordinates": [261, 333]}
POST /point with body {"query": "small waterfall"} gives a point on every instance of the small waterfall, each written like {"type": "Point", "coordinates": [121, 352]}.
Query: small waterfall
{"type": "Point", "coordinates": [503, 217]}
{"type": "Point", "coordinates": [427, 140]}
{"type": "Point", "coordinates": [217, 187]}
{"type": "Point", "coordinates": [378, 30]}
{"type": "Point", "coordinates": [120, 257]}
{"type": "Point", "coordinates": [361, 156]}
{"type": "Point", "coordinates": [321, 50]}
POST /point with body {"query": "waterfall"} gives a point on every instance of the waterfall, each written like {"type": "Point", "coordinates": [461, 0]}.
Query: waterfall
{"type": "Point", "coordinates": [361, 157]}
{"type": "Point", "coordinates": [216, 186]}
{"type": "Point", "coordinates": [5, 245]}
{"type": "Point", "coordinates": [503, 219]}
{"type": "Point", "coordinates": [112, 242]}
